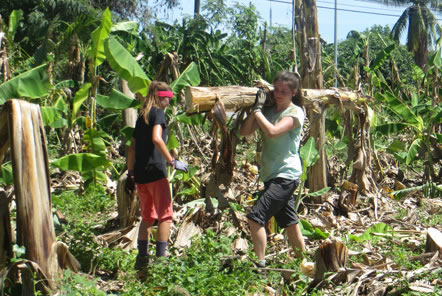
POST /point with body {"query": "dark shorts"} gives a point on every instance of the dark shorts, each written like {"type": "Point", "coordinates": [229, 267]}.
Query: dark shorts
{"type": "Point", "coordinates": [276, 200]}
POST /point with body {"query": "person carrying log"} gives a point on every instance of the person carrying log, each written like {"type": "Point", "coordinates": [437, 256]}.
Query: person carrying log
{"type": "Point", "coordinates": [281, 126]}
{"type": "Point", "coordinates": [146, 162]}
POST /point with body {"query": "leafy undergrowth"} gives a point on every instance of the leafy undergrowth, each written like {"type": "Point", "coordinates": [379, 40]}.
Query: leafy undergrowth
{"type": "Point", "coordinates": [387, 252]}
{"type": "Point", "coordinates": [208, 267]}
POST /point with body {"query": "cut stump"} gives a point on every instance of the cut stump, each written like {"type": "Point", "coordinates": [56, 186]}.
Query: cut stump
{"type": "Point", "coordinates": [35, 225]}
{"type": "Point", "coordinates": [330, 257]}
{"type": "Point", "coordinates": [434, 241]}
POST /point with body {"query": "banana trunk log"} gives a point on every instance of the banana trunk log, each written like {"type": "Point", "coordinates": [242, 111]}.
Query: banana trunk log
{"type": "Point", "coordinates": [434, 241]}
{"type": "Point", "coordinates": [202, 99]}
{"type": "Point", "coordinates": [35, 226]}
{"type": "Point", "coordinates": [128, 204]}
{"type": "Point", "coordinates": [330, 257]}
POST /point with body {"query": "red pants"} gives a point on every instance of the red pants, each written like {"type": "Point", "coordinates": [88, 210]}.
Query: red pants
{"type": "Point", "coordinates": [155, 201]}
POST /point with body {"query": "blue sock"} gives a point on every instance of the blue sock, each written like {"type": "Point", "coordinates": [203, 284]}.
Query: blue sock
{"type": "Point", "coordinates": [161, 248]}
{"type": "Point", "coordinates": [142, 247]}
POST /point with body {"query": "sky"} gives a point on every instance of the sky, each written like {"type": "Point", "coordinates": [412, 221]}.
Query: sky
{"type": "Point", "coordinates": [351, 15]}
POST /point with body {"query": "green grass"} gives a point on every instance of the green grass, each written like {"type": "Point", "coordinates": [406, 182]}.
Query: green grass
{"type": "Point", "coordinates": [202, 270]}
{"type": "Point", "coordinates": [85, 214]}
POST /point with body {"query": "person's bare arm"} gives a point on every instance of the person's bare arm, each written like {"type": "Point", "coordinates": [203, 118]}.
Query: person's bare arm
{"type": "Point", "coordinates": [159, 143]}
{"type": "Point", "coordinates": [274, 130]}
{"type": "Point", "coordinates": [249, 126]}
{"type": "Point", "coordinates": [131, 155]}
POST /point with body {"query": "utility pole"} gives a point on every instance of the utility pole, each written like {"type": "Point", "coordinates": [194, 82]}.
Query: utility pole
{"type": "Point", "coordinates": [295, 62]}
{"type": "Point", "coordinates": [336, 42]}
{"type": "Point", "coordinates": [197, 8]}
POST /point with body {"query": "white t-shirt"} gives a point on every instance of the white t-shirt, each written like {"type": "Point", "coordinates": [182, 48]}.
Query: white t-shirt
{"type": "Point", "coordinates": [280, 156]}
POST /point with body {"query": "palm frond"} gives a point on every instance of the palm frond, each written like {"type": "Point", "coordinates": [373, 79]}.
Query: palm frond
{"type": "Point", "coordinates": [400, 25]}
{"type": "Point", "coordinates": [436, 5]}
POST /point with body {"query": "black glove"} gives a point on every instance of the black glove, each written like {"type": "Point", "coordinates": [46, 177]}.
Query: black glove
{"type": "Point", "coordinates": [178, 165]}
{"type": "Point", "coordinates": [129, 187]}
{"type": "Point", "coordinates": [260, 100]}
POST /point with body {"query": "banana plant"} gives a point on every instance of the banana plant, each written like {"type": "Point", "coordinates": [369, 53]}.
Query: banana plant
{"type": "Point", "coordinates": [122, 62]}
{"type": "Point", "coordinates": [6, 177]}
{"type": "Point", "coordinates": [91, 164]}
{"type": "Point", "coordinates": [309, 156]}
{"type": "Point", "coordinates": [32, 84]}
{"type": "Point", "coordinates": [421, 132]}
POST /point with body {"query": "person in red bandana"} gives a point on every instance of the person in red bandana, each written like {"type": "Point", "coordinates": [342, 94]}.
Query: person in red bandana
{"type": "Point", "coordinates": [147, 160]}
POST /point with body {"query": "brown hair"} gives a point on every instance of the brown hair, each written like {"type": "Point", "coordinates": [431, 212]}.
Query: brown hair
{"type": "Point", "coordinates": [152, 99]}
{"type": "Point", "coordinates": [293, 81]}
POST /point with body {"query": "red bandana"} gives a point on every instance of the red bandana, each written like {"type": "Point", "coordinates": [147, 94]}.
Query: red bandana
{"type": "Point", "coordinates": [165, 93]}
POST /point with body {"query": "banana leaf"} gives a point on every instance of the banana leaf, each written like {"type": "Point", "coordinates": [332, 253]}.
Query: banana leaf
{"type": "Point", "coordinates": [412, 151]}
{"type": "Point", "coordinates": [309, 156]}
{"type": "Point", "coordinates": [436, 59]}
{"type": "Point", "coordinates": [367, 235]}
{"type": "Point", "coordinates": [398, 194]}
{"type": "Point", "coordinates": [95, 142]}
{"type": "Point", "coordinates": [61, 105]}
{"type": "Point", "coordinates": [391, 128]}
{"type": "Point", "coordinates": [130, 27]}
{"type": "Point", "coordinates": [108, 120]}
{"type": "Point", "coordinates": [6, 176]}
{"type": "Point", "coordinates": [189, 77]}
{"type": "Point", "coordinates": [312, 232]}
{"type": "Point", "coordinates": [31, 84]}
{"type": "Point", "coordinates": [14, 19]}
{"type": "Point", "coordinates": [196, 119]}
{"type": "Point", "coordinates": [96, 51]}
{"type": "Point", "coordinates": [401, 109]}
{"type": "Point", "coordinates": [118, 101]}
{"type": "Point", "coordinates": [81, 162]}
{"type": "Point", "coordinates": [127, 132]}
{"type": "Point", "coordinates": [81, 95]}
{"type": "Point", "coordinates": [382, 56]}
{"type": "Point", "coordinates": [126, 66]}
{"type": "Point", "coordinates": [172, 141]}
{"type": "Point", "coordinates": [52, 117]}
{"type": "Point", "coordinates": [319, 192]}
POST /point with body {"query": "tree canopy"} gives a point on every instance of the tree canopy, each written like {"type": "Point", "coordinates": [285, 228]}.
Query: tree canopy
{"type": "Point", "coordinates": [423, 26]}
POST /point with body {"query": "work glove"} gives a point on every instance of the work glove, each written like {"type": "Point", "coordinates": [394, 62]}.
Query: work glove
{"type": "Point", "coordinates": [260, 100]}
{"type": "Point", "coordinates": [179, 165]}
{"type": "Point", "coordinates": [129, 187]}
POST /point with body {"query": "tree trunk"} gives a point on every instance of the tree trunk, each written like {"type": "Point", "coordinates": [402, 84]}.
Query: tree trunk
{"type": "Point", "coordinates": [196, 10]}
{"type": "Point", "coordinates": [310, 46]}
{"type": "Point", "coordinates": [130, 114]}
{"type": "Point", "coordinates": [4, 61]}
{"type": "Point", "coordinates": [4, 135]}
{"type": "Point", "coordinates": [330, 256]}
{"type": "Point", "coordinates": [128, 205]}
{"type": "Point", "coordinates": [311, 74]}
{"type": "Point", "coordinates": [5, 229]}
{"type": "Point", "coordinates": [434, 241]}
{"type": "Point", "coordinates": [317, 178]}
{"type": "Point", "coordinates": [35, 227]}
{"type": "Point", "coordinates": [421, 53]}
{"type": "Point", "coordinates": [202, 99]}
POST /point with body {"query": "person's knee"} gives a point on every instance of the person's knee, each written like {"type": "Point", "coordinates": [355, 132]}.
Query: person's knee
{"type": "Point", "coordinates": [253, 223]}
